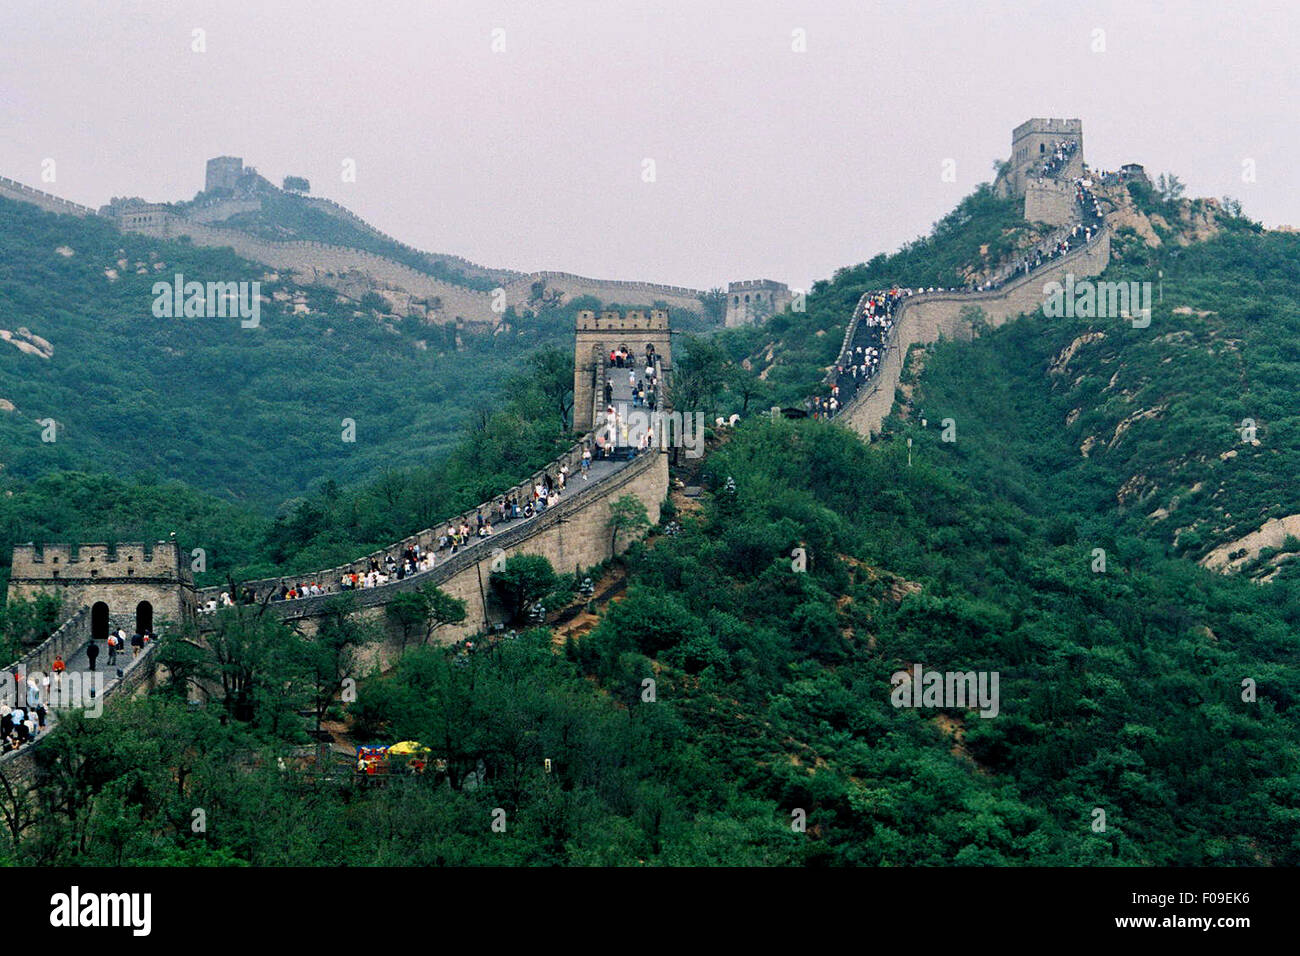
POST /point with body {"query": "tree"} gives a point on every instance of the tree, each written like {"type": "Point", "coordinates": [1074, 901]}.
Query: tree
{"type": "Point", "coordinates": [553, 376]}
{"type": "Point", "coordinates": [24, 623]}
{"type": "Point", "coordinates": [424, 611]}
{"type": "Point", "coordinates": [697, 377]}
{"type": "Point", "coordinates": [1170, 187]}
{"type": "Point", "coordinates": [333, 654]}
{"type": "Point", "coordinates": [522, 580]}
{"type": "Point", "coordinates": [249, 649]}
{"type": "Point", "coordinates": [407, 612]}
{"type": "Point", "coordinates": [296, 184]}
{"type": "Point", "coordinates": [746, 386]}
{"type": "Point", "coordinates": [715, 305]}
{"type": "Point", "coordinates": [627, 515]}
{"type": "Point", "coordinates": [443, 609]}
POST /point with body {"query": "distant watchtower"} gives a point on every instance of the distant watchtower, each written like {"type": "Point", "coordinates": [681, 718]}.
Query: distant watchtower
{"type": "Point", "coordinates": [1032, 144]}
{"type": "Point", "coordinates": [754, 300]}
{"type": "Point", "coordinates": [223, 172]}
{"type": "Point", "coordinates": [597, 336]}
{"type": "Point", "coordinates": [124, 585]}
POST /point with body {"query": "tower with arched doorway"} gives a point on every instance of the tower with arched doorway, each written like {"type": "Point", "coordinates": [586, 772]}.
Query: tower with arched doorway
{"type": "Point", "coordinates": [131, 586]}
{"type": "Point", "coordinates": [637, 331]}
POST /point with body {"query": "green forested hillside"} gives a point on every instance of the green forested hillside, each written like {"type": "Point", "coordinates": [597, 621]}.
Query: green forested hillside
{"type": "Point", "coordinates": [1139, 431]}
{"type": "Point", "coordinates": [1120, 692]}
{"type": "Point", "coordinates": [1132, 681]}
{"type": "Point", "coordinates": [252, 415]}
{"type": "Point", "coordinates": [325, 526]}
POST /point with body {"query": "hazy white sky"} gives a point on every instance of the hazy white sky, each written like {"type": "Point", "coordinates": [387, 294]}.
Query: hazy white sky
{"type": "Point", "coordinates": [768, 162]}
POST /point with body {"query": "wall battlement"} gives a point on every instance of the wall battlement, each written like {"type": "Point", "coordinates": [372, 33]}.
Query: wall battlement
{"type": "Point", "coordinates": [117, 581]}
{"type": "Point", "coordinates": [1045, 125]}
{"type": "Point", "coordinates": [1032, 143]}
{"type": "Point", "coordinates": [64, 562]}
{"type": "Point", "coordinates": [634, 320]}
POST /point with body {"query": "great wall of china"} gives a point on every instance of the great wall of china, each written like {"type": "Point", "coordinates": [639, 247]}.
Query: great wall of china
{"type": "Point", "coordinates": [106, 586]}
{"type": "Point", "coordinates": [572, 534]}
{"type": "Point", "coordinates": [341, 267]}
{"type": "Point", "coordinates": [927, 317]}
{"type": "Point", "coordinates": [930, 316]}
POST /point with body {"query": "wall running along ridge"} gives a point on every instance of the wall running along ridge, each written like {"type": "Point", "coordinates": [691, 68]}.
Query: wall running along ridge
{"type": "Point", "coordinates": [325, 264]}
{"type": "Point", "coordinates": [927, 317]}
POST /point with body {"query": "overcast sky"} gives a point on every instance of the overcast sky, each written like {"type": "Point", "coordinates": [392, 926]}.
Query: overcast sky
{"type": "Point", "coordinates": [768, 162]}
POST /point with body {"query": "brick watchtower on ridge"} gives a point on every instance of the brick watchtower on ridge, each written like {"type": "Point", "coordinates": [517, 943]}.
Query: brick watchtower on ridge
{"type": "Point", "coordinates": [754, 300]}
{"type": "Point", "coordinates": [597, 336]}
{"type": "Point", "coordinates": [1032, 143]}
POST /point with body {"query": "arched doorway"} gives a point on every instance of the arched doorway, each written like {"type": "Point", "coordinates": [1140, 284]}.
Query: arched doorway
{"type": "Point", "coordinates": [143, 617]}
{"type": "Point", "coordinates": [99, 621]}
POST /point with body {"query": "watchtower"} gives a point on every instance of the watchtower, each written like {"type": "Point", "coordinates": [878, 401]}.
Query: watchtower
{"type": "Point", "coordinates": [597, 336]}
{"type": "Point", "coordinates": [1032, 145]}
{"type": "Point", "coordinates": [754, 300]}
{"type": "Point", "coordinates": [223, 172]}
{"type": "Point", "coordinates": [125, 585]}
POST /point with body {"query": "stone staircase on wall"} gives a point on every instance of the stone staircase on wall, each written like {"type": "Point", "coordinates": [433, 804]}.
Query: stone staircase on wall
{"type": "Point", "coordinates": [927, 317]}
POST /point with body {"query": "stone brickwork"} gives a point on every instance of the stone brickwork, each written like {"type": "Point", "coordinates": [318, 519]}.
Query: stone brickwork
{"type": "Point", "coordinates": [223, 172]}
{"type": "Point", "coordinates": [754, 300]}
{"type": "Point", "coordinates": [324, 264]}
{"type": "Point", "coordinates": [1032, 143]}
{"type": "Point", "coordinates": [1050, 201]}
{"type": "Point", "coordinates": [928, 317]}
{"type": "Point", "coordinates": [121, 577]}
{"type": "Point", "coordinates": [12, 189]}
{"type": "Point", "coordinates": [597, 336]}
{"type": "Point", "coordinates": [572, 535]}
{"type": "Point", "coordinates": [222, 210]}
{"type": "Point", "coordinates": [607, 290]}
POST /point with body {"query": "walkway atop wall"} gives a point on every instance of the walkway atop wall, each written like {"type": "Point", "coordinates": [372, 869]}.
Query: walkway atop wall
{"type": "Point", "coordinates": [477, 549]}
{"type": "Point", "coordinates": [1086, 237]}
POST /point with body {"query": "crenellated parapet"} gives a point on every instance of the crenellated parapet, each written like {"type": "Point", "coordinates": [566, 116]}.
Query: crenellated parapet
{"type": "Point", "coordinates": [126, 579]}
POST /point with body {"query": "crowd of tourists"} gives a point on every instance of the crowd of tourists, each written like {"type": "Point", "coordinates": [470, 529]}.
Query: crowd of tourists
{"type": "Point", "coordinates": [416, 558]}
{"type": "Point", "coordinates": [612, 432]}
{"type": "Point", "coordinates": [644, 387]}
{"type": "Point", "coordinates": [860, 360]}
{"type": "Point", "coordinates": [24, 722]}
{"type": "Point", "coordinates": [1060, 155]}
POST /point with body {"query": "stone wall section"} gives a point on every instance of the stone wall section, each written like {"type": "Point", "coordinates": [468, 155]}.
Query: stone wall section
{"type": "Point", "coordinates": [928, 317]}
